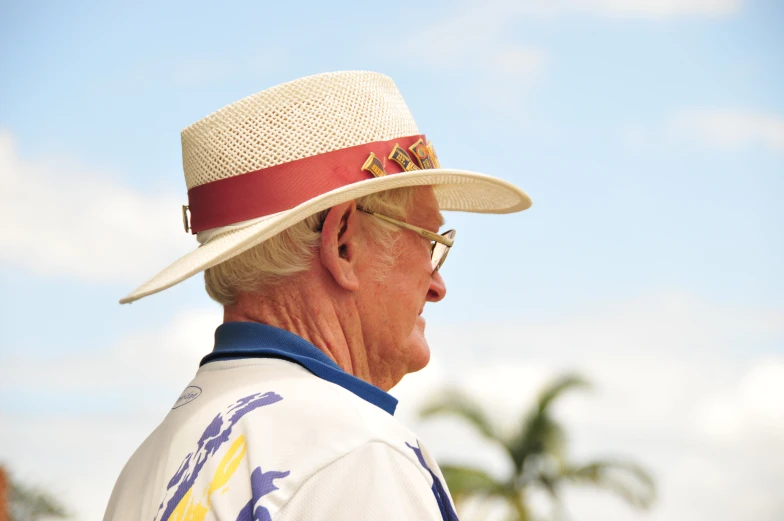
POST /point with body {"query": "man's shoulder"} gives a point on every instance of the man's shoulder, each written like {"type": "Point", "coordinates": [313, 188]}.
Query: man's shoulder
{"type": "Point", "coordinates": [273, 416]}
{"type": "Point", "coordinates": [298, 401]}
{"type": "Point", "coordinates": [288, 419]}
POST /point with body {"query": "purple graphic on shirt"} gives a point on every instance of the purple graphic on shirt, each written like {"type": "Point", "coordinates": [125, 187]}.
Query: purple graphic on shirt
{"type": "Point", "coordinates": [214, 436]}
{"type": "Point", "coordinates": [261, 484]}
{"type": "Point", "coordinates": [442, 498]}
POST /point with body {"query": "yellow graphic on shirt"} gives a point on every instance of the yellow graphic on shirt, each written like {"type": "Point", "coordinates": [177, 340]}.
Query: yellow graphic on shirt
{"type": "Point", "coordinates": [193, 508]}
{"type": "Point", "coordinates": [228, 465]}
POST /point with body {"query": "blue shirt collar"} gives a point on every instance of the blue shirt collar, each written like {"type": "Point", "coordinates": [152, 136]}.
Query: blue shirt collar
{"type": "Point", "coordinates": [253, 340]}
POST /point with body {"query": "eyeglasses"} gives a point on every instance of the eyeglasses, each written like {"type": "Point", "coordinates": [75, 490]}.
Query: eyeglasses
{"type": "Point", "coordinates": [440, 242]}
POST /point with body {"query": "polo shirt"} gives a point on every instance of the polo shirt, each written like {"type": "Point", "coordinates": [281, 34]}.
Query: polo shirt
{"type": "Point", "coordinates": [271, 428]}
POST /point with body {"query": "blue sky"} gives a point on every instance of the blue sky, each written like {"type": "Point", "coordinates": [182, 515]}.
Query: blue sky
{"type": "Point", "coordinates": [650, 135]}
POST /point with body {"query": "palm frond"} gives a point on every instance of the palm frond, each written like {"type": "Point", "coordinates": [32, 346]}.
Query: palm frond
{"type": "Point", "coordinates": [626, 479]}
{"type": "Point", "coordinates": [519, 510]}
{"type": "Point", "coordinates": [557, 387]}
{"type": "Point", "coordinates": [459, 405]}
{"type": "Point", "coordinates": [468, 481]}
{"type": "Point", "coordinates": [539, 433]}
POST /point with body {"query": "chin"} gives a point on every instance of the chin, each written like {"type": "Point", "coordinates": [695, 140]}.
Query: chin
{"type": "Point", "coordinates": [418, 349]}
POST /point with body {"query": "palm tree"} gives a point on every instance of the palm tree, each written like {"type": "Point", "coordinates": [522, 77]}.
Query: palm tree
{"type": "Point", "coordinates": [536, 450]}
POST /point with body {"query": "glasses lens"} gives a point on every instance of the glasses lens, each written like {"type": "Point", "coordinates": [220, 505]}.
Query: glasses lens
{"type": "Point", "coordinates": [440, 251]}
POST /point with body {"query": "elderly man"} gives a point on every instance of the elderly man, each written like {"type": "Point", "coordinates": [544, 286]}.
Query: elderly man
{"type": "Point", "coordinates": [317, 206]}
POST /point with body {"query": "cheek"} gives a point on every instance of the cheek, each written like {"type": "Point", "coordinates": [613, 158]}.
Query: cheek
{"type": "Point", "coordinates": [418, 268]}
{"type": "Point", "coordinates": [400, 295]}
{"type": "Point", "coordinates": [413, 280]}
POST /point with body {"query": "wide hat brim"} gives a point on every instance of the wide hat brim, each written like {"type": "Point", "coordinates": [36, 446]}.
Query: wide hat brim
{"type": "Point", "coordinates": [455, 190]}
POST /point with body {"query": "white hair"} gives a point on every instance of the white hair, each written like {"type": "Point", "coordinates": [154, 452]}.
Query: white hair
{"type": "Point", "coordinates": [291, 251]}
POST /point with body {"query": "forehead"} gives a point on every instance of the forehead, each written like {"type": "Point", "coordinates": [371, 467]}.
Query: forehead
{"type": "Point", "coordinates": [424, 211]}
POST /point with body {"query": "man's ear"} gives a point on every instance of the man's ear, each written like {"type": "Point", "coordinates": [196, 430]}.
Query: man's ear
{"type": "Point", "coordinates": [338, 244]}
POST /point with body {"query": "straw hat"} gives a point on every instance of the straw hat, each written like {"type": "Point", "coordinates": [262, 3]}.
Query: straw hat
{"type": "Point", "coordinates": [266, 162]}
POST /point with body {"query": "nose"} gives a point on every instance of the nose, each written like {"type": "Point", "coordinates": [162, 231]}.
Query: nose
{"type": "Point", "coordinates": [437, 290]}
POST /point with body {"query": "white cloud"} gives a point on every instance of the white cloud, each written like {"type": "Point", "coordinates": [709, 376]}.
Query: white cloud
{"type": "Point", "coordinates": [165, 359]}
{"type": "Point", "coordinates": [470, 33]}
{"type": "Point", "coordinates": [511, 74]}
{"type": "Point", "coordinates": [655, 9]}
{"type": "Point", "coordinates": [62, 218]}
{"type": "Point", "coordinates": [476, 22]}
{"type": "Point", "coordinates": [504, 75]}
{"type": "Point", "coordinates": [731, 128]}
{"type": "Point", "coordinates": [474, 38]}
{"type": "Point", "coordinates": [751, 408]}
{"type": "Point", "coordinates": [650, 9]}
{"type": "Point", "coordinates": [761, 392]}
{"type": "Point", "coordinates": [478, 27]}
{"type": "Point", "coordinates": [447, 41]}
{"type": "Point", "coordinates": [678, 388]}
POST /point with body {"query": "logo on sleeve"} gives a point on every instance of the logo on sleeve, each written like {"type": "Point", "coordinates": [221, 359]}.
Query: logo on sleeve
{"type": "Point", "coordinates": [187, 396]}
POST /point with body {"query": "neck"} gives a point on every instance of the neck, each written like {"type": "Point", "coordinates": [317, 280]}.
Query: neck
{"type": "Point", "coordinates": [305, 307]}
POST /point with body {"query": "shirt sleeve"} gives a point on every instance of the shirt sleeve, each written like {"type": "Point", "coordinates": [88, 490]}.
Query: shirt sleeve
{"type": "Point", "coordinates": [374, 481]}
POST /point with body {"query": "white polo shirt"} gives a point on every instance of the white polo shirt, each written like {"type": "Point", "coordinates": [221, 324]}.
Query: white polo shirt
{"type": "Point", "coordinates": [272, 429]}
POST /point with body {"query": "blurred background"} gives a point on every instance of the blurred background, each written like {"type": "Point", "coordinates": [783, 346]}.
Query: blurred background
{"type": "Point", "coordinates": [649, 133]}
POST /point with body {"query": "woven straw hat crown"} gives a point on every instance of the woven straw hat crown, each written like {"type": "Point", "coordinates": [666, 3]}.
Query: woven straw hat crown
{"type": "Point", "coordinates": [292, 121]}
